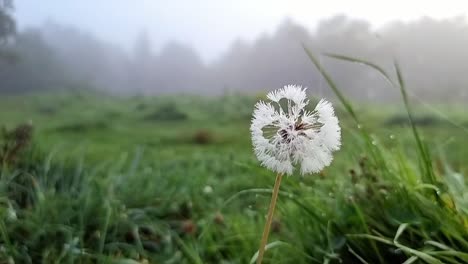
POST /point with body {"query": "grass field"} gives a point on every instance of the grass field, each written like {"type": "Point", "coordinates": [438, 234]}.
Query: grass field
{"type": "Point", "coordinates": [173, 179]}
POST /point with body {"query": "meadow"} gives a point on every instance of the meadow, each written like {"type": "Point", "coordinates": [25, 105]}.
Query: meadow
{"type": "Point", "coordinates": [173, 179]}
{"type": "Point", "coordinates": [96, 178]}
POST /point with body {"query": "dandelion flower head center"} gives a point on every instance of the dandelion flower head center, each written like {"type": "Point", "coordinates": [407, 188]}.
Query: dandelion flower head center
{"type": "Point", "coordinates": [296, 130]}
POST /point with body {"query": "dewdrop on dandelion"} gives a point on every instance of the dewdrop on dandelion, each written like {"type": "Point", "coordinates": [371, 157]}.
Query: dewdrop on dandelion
{"type": "Point", "coordinates": [285, 135]}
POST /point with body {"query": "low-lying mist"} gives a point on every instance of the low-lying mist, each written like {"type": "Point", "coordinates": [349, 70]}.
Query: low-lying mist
{"type": "Point", "coordinates": [432, 54]}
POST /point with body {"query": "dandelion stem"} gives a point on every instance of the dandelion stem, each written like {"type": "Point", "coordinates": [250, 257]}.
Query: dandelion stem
{"type": "Point", "coordinates": [271, 211]}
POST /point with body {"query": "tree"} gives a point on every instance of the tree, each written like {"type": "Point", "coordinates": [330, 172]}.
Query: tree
{"type": "Point", "coordinates": [7, 29]}
{"type": "Point", "coordinates": [142, 63]}
{"type": "Point", "coordinates": [36, 68]}
{"type": "Point", "coordinates": [7, 23]}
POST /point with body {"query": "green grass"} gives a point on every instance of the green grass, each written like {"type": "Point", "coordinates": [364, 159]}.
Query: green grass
{"type": "Point", "coordinates": [173, 180]}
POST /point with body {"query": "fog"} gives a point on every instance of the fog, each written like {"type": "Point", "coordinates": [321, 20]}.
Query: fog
{"type": "Point", "coordinates": [257, 55]}
{"type": "Point", "coordinates": [210, 26]}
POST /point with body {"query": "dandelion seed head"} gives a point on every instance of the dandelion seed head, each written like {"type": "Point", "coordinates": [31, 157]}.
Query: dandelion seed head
{"type": "Point", "coordinates": [285, 135]}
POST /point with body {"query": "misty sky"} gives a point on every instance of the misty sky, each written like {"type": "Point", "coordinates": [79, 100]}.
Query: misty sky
{"type": "Point", "coordinates": [211, 25]}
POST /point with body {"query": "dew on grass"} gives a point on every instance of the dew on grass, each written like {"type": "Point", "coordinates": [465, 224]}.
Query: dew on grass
{"type": "Point", "coordinates": [208, 189]}
{"type": "Point", "coordinates": [11, 214]}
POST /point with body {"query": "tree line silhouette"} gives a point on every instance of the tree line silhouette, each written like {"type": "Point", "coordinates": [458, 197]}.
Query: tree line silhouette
{"type": "Point", "coordinates": [432, 54]}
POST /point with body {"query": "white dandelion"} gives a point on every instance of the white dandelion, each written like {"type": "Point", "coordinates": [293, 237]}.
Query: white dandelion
{"type": "Point", "coordinates": [285, 135]}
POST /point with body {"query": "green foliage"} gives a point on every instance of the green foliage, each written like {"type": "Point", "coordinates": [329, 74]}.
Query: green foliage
{"type": "Point", "coordinates": [167, 112]}
{"type": "Point", "coordinates": [103, 184]}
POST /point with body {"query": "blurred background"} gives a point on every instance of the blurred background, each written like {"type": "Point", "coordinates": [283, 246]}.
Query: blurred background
{"type": "Point", "coordinates": [209, 47]}
{"type": "Point", "coordinates": [124, 131]}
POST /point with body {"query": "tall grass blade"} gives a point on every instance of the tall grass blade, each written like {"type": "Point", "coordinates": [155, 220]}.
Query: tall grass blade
{"type": "Point", "coordinates": [363, 62]}
{"type": "Point", "coordinates": [429, 172]}
{"type": "Point", "coordinates": [375, 152]}
{"type": "Point", "coordinates": [332, 85]}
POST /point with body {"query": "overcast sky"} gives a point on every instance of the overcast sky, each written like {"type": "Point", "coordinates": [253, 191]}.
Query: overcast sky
{"type": "Point", "coordinates": [211, 25]}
